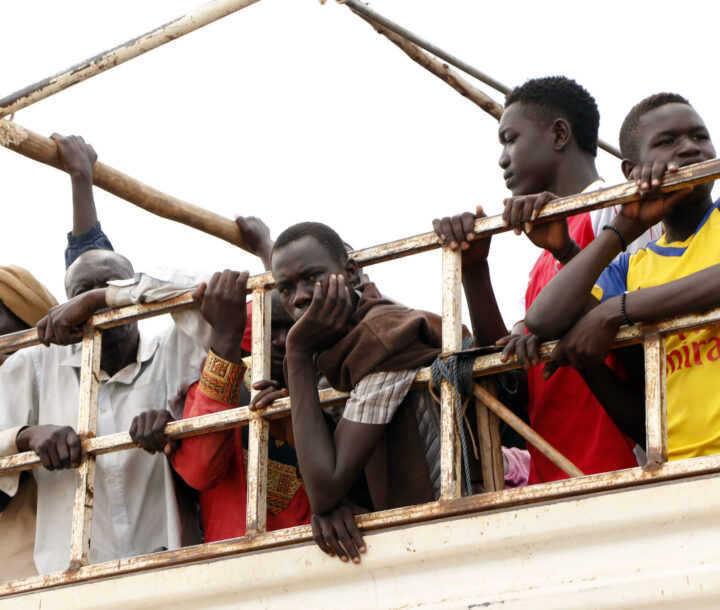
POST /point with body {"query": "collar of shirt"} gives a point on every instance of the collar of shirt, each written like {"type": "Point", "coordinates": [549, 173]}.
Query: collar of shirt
{"type": "Point", "coordinates": [146, 350]}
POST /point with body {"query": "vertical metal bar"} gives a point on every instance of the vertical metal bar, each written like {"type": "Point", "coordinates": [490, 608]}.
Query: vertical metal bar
{"type": "Point", "coordinates": [86, 428]}
{"type": "Point", "coordinates": [488, 425]}
{"type": "Point", "coordinates": [256, 518]}
{"type": "Point", "coordinates": [655, 400]}
{"type": "Point", "coordinates": [452, 341]}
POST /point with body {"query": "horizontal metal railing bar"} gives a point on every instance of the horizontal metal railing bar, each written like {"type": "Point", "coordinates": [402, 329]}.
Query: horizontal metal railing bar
{"type": "Point", "coordinates": [182, 428]}
{"type": "Point", "coordinates": [483, 365]}
{"type": "Point", "coordinates": [406, 516]}
{"type": "Point", "coordinates": [492, 225]}
{"type": "Point", "coordinates": [691, 175]}
{"type": "Point", "coordinates": [105, 319]}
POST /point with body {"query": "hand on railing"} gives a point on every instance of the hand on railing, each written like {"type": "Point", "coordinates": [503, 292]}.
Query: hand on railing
{"type": "Point", "coordinates": [223, 306]}
{"type": "Point", "coordinates": [459, 232]}
{"type": "Point", "coordinates": [521, 212]}
{"type": "Point", "coordinates": [269, 391]}
{"type": "Point", "coordinates": [588, 342]}
{"type": "Point", "coordinates": [76, 156]}
{"type": "Point", "coordinates": [337, 534]}
{"type": "Point", "coordinates": [642, 214]}
{"type": "Point", "coordinates": [147, 431]}
{"type": "Point", "coordinates": [57, 446]}
{"type": "Point", "coordinates": [526, 346]}
{"type": "Point", "coordinates": [63, 325]}
{"type": "Point", "coordinates": [257, 238]}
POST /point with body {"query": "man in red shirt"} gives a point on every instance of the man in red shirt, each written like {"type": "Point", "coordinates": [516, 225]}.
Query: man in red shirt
{"type": "Point", "coordinates": [215, 464]}
{"type": "Point", "coordinates": [549, 137]}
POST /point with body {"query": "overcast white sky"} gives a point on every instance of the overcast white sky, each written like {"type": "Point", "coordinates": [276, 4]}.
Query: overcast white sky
{"type": "Point", "coordinates": [293, 111]}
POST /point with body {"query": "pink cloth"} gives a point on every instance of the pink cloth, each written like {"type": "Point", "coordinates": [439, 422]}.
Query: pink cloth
{"type": "Point", "coordinates": [518, 466]}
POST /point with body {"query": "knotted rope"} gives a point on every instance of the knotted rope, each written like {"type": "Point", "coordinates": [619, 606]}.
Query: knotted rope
{"type": "Point", "coordinates": [458, 371]}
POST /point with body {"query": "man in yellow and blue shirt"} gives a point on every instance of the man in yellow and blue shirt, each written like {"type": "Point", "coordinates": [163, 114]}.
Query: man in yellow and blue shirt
{"type": "Point", "coordinates": [677, 274]}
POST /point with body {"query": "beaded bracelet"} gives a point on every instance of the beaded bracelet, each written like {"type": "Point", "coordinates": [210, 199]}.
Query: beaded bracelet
{"type": "Point", "coordinates": [623, 311]}
{"type": "Point", "coordinates": [619, 234]}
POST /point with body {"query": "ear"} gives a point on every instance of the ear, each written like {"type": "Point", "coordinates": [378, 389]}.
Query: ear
{"type": "Point", "coordinates": [627, 166]}
{"type": "Point", "coordinates": [562, 133]}
{"type": "Point", "coordinates": [352, 271]}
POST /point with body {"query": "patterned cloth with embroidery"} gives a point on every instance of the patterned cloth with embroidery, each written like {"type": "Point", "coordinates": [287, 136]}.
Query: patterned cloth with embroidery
{"type": "Point", "coordinates": [282, 473]}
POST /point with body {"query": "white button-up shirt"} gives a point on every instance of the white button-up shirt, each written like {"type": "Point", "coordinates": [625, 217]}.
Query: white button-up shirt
{"type": "Point", "coordinates": [135, 507]}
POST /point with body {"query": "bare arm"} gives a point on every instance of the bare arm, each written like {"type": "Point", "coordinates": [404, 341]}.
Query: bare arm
{"type": "Point", "coordinates": [458, 233]}
{"type": "Point", "coordinates": [330, 464]}
{"type": "Point", "coordinates": [567, 296]}
{"type": "Point", "coordinates": [589, 340]}
{"type": "Point", "coordinates": [693, 293]}
{"type": "Point", "coordinates": [78, 158]}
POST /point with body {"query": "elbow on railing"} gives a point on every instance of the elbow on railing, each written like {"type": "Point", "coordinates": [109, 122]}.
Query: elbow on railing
{"type": "Point", "coordinates": [543, 325]}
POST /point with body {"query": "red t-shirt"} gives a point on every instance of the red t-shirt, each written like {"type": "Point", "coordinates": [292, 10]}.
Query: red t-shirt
{"type": "Point", "coordinates": [214, 465]}
{"type": "Point", "coordinates": [562, 409]}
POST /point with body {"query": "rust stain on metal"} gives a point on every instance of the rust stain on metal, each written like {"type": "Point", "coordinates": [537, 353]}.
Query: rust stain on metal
{"type": "Point", "coordinates": [655, 400]}
{"type": "Point", "coordinates": [121, 53]}
{"type": "Point", "coordinates": [87, 426]}
{"type": "Point", "coordinates": [258, 437]}
{"type": "Point", "coordinates": [452, 340]}
{"type": "Point", "coordinates": [556, 490]}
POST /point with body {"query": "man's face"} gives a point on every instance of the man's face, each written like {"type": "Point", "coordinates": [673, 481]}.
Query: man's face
{"type": "Point", "coordinates": [9, 323]}
{"type": "Point", "coordinates": [528, 155]}
{"type": "Point", "coordinates": [675, 133]}
{"type": "Point", "coordinates": [297, 267]}
{"type": "Point", "coordinates": [94, 269]}
{"type": "Point", "coordinates": [280, 325]}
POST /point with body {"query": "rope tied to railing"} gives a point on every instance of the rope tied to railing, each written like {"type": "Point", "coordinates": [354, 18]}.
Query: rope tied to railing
{"type": "Point", "coordinates": [458, 371]}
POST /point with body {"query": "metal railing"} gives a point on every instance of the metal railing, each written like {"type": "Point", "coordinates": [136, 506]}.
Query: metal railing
{"type": "Point", "coordinates": [488, 410]}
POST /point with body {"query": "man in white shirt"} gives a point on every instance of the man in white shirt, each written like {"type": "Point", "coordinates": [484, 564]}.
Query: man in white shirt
{"type": "Point", "coordinates": [136, 509]}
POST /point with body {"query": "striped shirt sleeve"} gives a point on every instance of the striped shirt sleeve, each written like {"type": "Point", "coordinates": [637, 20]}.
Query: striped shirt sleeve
{"type": "Point", "coordinates": [377, 396]}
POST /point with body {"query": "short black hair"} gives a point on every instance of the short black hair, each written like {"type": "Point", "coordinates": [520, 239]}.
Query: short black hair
{"type": "Point", "coordinates": [558, 95]}
{"type": "Point", "coordinates": [631, 124]}
{"type": "Point", "coordinates": [326, 236]}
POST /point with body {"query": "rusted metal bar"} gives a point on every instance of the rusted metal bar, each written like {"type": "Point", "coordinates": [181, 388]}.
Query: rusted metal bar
{"type": "Point", "coordinates": [466, 505]}
{"type": "Point", "coordinates": [256, 515]}
{"type": "Point", "coordinates": [386, 24]}
{"type": "Point", "coordinates": [452, 341]}
{"type": "Point", "coordinates": [575, 204]}
{"type": "Point", "coordinates": [526, 431]}
{"type": "Point", "coordinates": [44, 150]}
{"type": "Point", "coordinates": [488, 426]}
{"type": "Point", "coordinates": [441, 70]}
{"type": "Point", "coordinates": [107, 319]}
{"type": "Point", "coordinates": [655, 400]}
{"type": "Point", "coordinates": [189, 22]}
{"type": "Point", "coordinates": [86, 428]}
{"type": "Point", "coordinates": [176, 430]}
{"type": "Point", "coordinates": [484, 365]}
